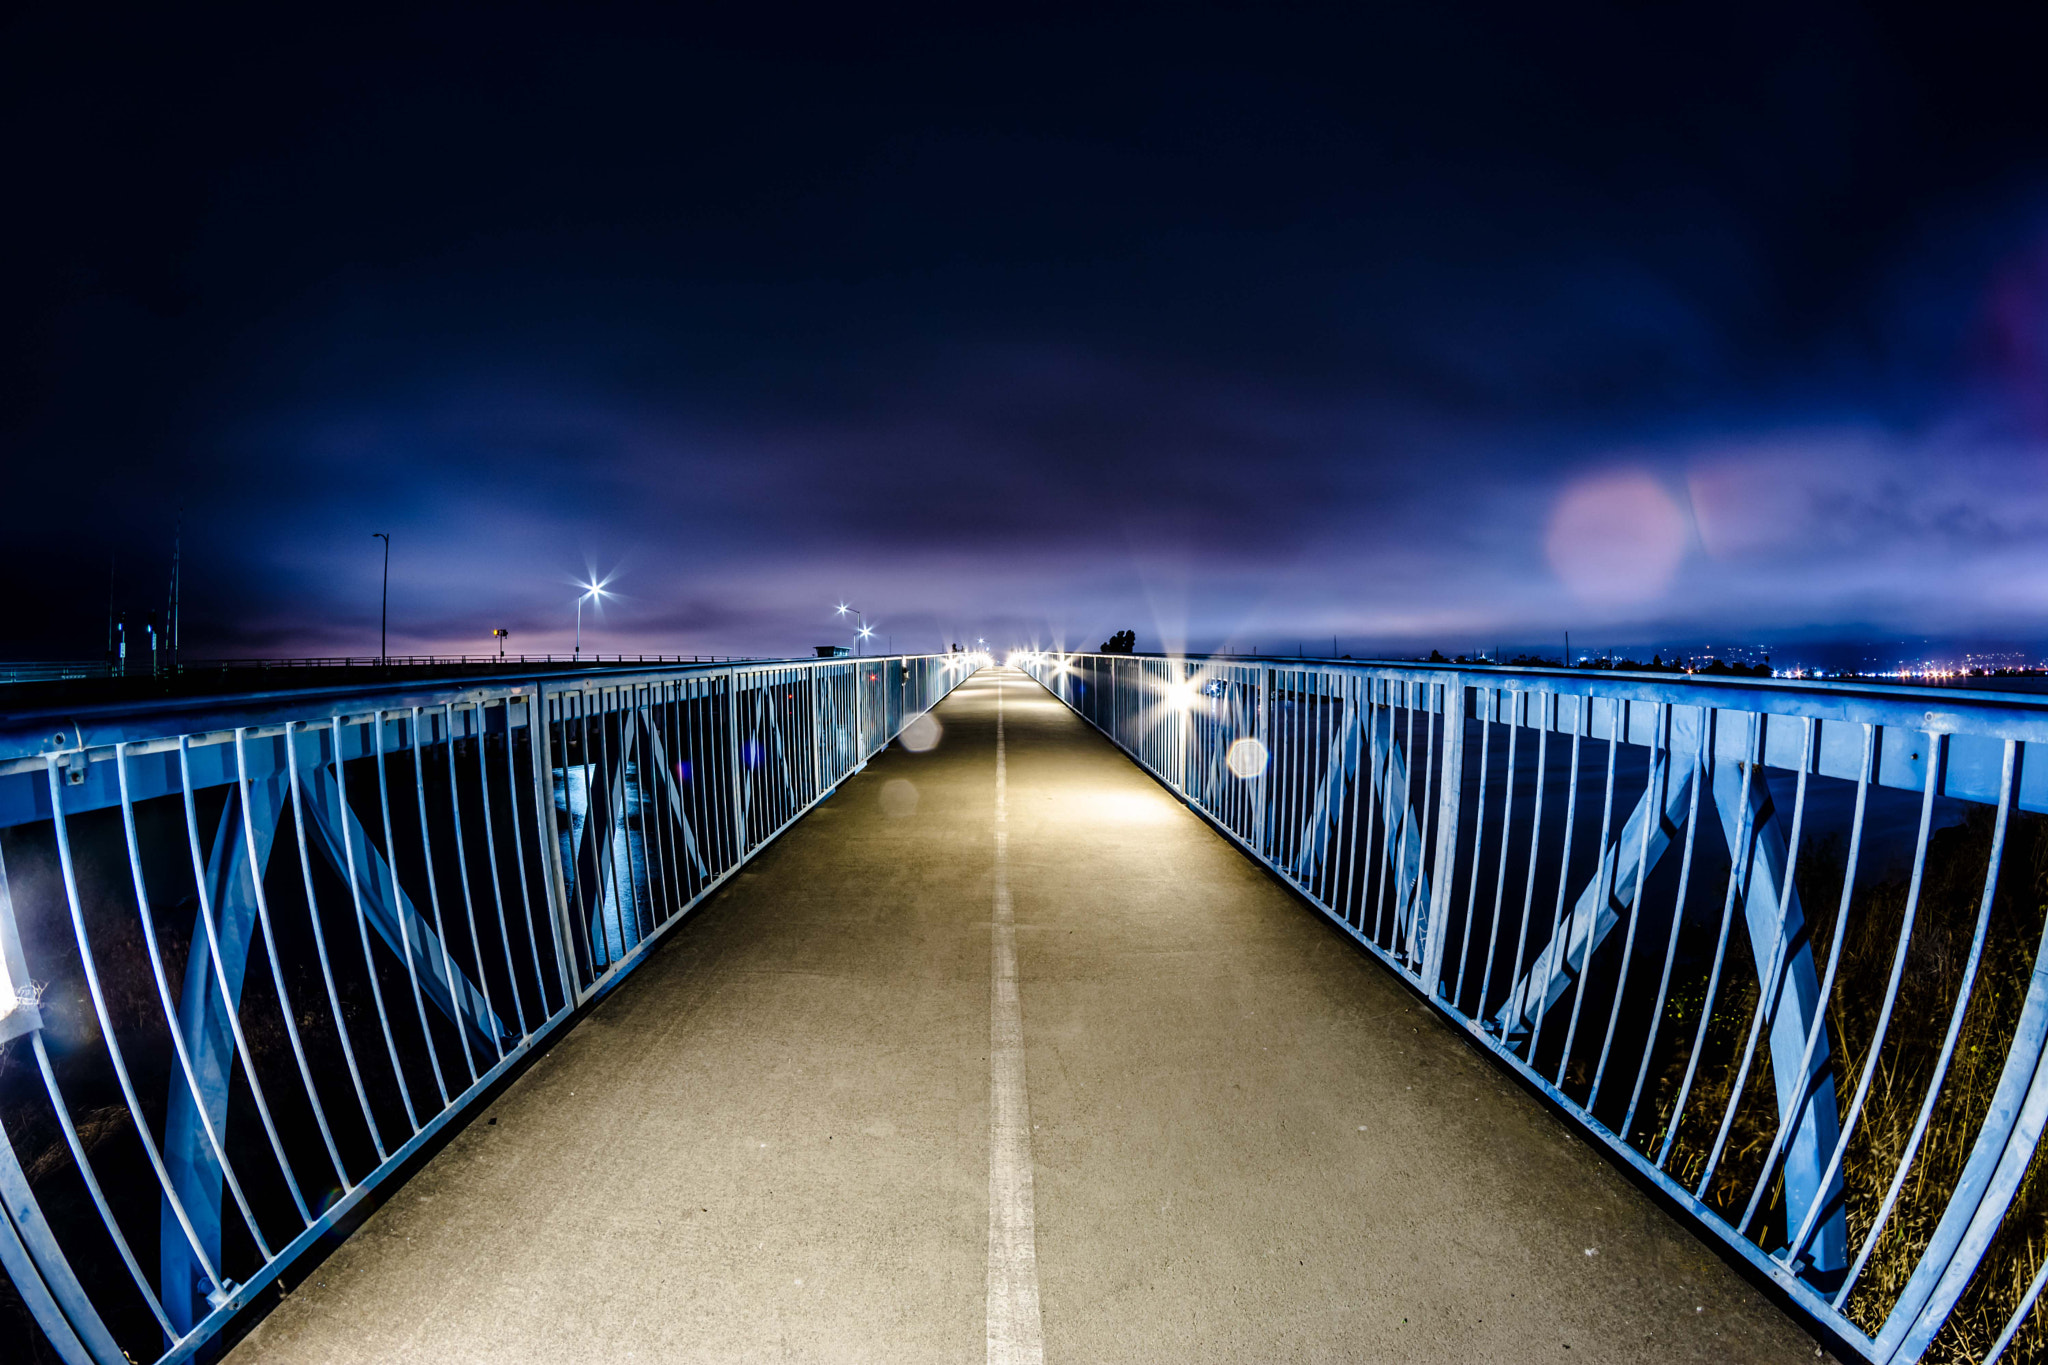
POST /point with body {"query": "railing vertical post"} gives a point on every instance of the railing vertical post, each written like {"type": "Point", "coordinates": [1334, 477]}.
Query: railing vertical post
{"type": "Point", "coordinates": [1184, 717]}
{"type": "Point", "coordinates": [541, 734]}
{"type": "Point", "coordinates": [1262, 704]}
{"type": "Point", "coordinates": [1451, 790]}
{"type": "Point", "coordinates": [732, 711]}
{"type": "Point", "coordinates": [817, 734]}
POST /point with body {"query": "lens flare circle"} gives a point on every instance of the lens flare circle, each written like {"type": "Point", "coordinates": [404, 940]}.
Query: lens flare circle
{"type": "Point", "coordinates": [899, 798]}
{"type": "Point", "coordinates": [922, 734]}
{"type": "Point", "coordinates": [1617, 538]}
{"type": "Point", "coordinates": [1246, 758]}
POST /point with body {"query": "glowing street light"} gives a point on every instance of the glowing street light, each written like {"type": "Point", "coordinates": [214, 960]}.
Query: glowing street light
{"type": "Point", "coordinates": [384, 610]}
{"type": "Point", "coordinates": [863, 633]}
{"type": "Point", "coordinates": [590, 590]}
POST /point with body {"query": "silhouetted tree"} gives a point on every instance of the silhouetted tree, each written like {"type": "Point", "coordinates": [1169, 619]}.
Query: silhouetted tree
{"type": "Point", "coordinates": [1123, 642]}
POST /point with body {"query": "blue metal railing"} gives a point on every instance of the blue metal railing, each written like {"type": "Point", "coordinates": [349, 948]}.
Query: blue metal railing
{"type": "Point", "coordinates": [1778, 945]}
{"type": "Point", "coordinates": [256, 952]}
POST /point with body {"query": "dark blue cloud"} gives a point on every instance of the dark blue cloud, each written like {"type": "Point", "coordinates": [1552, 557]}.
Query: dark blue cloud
{"type": "Point", "coordinates": [1436, 327]}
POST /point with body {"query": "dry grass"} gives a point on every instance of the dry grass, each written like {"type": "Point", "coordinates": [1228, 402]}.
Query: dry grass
{"type": "Point", "coordinates": [1935, 964]}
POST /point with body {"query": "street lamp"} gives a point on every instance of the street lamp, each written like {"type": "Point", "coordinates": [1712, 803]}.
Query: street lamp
{"type": "Point", "coordinates": [384, 610]}
{"type": "Point", "coordinates": [863, 633]}
{"type": "Point", "coordinates": [590, 590]}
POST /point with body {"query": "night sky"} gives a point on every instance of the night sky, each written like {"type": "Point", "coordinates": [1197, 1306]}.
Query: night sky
{"type": "Point", "coordinates": [1415, 326]}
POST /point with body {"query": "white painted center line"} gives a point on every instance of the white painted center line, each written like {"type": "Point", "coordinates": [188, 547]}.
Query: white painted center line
{"type": "Point", "coordinates": [1014, 1336]}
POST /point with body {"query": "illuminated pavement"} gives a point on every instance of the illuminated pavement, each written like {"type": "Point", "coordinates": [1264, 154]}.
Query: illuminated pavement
{"type": "Point", "coordinates": [1246, 1140]}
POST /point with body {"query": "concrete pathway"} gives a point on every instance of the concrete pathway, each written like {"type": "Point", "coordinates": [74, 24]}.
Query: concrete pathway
{"type": "Point", "coordinates": [1237, 1137]}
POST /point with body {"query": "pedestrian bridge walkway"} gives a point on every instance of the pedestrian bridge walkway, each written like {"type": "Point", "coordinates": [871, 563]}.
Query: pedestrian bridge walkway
{"type": "Point", "coordinates": [1246, 1140]}
{"type": "Point", "coordinates": [1088, 1007]}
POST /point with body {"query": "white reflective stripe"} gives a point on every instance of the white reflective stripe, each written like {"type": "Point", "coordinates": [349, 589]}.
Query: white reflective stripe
{"type": "Point", "coordinates": [1014, 1335]}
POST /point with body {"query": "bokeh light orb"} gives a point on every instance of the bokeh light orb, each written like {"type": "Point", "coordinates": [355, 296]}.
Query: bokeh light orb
{"type": "Point", "coordinates": [1617, 538]}
{"type": "Point", "coordinates": [1246, 758]}
{"type": "Point", "coordinates": [899, 798]}
{"type": "Point", "coordinates": [922, 734]}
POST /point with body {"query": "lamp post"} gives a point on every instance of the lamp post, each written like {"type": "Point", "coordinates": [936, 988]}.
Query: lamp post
{"type": "Point", "coordinates": [384, 608]}
{"type": "Point", "coordinates": [863, 633]}
{"type": "Point", "coordinates": [590, 590]}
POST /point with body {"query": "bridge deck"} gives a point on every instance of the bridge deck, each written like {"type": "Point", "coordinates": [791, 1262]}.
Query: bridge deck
{"type": "Point", "coordinates": [1249, 1142]}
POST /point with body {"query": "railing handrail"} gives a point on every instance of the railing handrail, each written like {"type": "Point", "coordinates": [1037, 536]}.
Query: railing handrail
{"type": "Point", "coordinates": [2011, 715]}
{"type": "Point", "coordinates": [31, 734]}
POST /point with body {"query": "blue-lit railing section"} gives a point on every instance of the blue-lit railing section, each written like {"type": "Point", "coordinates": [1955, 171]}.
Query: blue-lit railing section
{"type": "Point", "coordinates": [1776, 944]}
{"type": "Point", "coordinates": [256, 952]}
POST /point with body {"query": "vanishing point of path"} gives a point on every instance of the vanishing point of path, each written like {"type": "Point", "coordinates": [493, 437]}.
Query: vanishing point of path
{"type": "Point", "coordinates": [825, 1123]}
